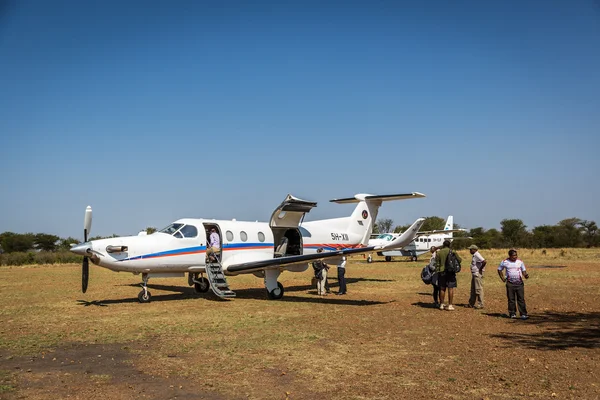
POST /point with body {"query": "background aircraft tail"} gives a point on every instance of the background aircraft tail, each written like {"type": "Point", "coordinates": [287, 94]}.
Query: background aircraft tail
{"type": "Point", "coordinates": [449, 225]}
{"type": "Point", "coordinates": [363, 217]}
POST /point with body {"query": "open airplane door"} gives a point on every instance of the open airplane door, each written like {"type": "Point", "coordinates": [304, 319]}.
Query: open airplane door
{"type": "Point", "coordinates": [290, 212]}
{"type": "Point", "coordinates": [284, 223]}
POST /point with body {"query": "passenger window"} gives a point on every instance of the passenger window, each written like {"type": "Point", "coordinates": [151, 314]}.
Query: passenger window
{"type": "Point", "coordinates": [189, 231]}
{"type": "Point", "coordinates": [261, 237]}
{"type": "Point", "coordinates": [229, 235]}
{"type": "Point", "coordinates": [243, 236]}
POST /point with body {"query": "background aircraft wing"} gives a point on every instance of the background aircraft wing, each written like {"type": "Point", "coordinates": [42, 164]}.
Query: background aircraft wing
{"type": "Point", "coordinates": [435, 232]}
{"type": "Point", "coordinates": [289, 261]}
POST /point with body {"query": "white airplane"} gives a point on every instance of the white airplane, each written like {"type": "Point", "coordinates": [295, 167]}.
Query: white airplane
{"type": "Point", "coordinates": [420, 245]}
{"type": "Point", "coordinates": [260, 248]}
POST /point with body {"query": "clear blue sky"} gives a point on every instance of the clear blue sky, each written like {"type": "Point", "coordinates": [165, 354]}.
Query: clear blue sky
{"type": "Point", "coordinates": [153, 111]}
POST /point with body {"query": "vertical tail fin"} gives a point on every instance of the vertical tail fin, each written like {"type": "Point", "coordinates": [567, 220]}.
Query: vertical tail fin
{"type": "Point", "coordinates": [363, 217]}
{"type": "Point", "coordinates": [449, 225]}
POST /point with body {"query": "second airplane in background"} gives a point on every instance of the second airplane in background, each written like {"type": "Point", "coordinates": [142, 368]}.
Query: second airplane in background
{"type": "Point", "coordinates": [420, 245]}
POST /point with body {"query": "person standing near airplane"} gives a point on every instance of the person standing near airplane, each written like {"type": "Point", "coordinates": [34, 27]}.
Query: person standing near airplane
{"type": "Point", "coordinates": [341, 271]}
{"type": "Point", "coordinates": [447, 279]}
{"type": "Point", "coordinates": [515, 287]}
{"type": "Point", "coordinates": [434, 277]}
{"type": "Point", "coordinates": [320, 269]}
{"type": "Point", "coordinates": [477, 266]}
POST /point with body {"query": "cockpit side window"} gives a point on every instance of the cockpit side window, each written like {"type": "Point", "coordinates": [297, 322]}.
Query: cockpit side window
{"type": "Point", "coordinates": [189, 231]}
{"type": "Point", "coordinates": [171, 229]}
{"type": "Point", "coordinates": [178, 235]}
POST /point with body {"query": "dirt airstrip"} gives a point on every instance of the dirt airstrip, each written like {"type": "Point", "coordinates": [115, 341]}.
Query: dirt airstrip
{"type": "Point", "coordinates": [384, 340]}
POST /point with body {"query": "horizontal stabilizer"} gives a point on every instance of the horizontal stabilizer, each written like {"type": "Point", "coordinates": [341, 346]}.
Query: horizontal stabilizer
{"type": "Point", "coordinates": [385, 197]}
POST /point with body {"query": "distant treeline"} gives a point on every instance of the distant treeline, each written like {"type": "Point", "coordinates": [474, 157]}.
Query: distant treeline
{"type": "Point", "coordinates": [513, 233]}
{"type": "Point", "coordinates": [42, 248]}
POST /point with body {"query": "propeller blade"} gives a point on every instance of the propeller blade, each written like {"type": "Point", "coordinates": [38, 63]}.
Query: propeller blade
{"type": "Point", "coordinates": [87, 223]}
{"type": "Point", "coordinates": [85, 273]}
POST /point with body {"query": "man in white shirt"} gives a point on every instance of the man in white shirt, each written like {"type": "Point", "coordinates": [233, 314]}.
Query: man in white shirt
{"type": "Point", "coordinates": [477, 268]}
{"type": "Point", "coordinates": [515, 288]}
{"type": "Point", "coordinates": [341, 270]}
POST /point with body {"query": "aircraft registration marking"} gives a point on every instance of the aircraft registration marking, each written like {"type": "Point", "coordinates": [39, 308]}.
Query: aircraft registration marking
{"type": "Point", "coordinates": [339, 236]}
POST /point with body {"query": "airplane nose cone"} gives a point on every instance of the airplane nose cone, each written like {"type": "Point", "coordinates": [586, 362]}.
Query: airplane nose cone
{"type": "Point", "coordinates": [80, 249]}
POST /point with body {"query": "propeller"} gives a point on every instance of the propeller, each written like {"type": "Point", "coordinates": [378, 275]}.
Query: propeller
{"type": "Point", "coordinates": [85, 266]}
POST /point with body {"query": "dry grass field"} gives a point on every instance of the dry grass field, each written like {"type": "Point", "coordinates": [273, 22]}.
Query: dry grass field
{"type": "Point", "coordinates": [383, 340]}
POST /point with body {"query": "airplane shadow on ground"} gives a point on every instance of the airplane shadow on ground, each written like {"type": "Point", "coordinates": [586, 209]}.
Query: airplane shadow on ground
{"type": "Point", "coordinates": [562, 330]}
{"type": "Point", "coordinates": [258, 293]}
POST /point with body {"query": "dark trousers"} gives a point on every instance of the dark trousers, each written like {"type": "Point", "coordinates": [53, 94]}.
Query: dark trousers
{"type": "Point", "coordinates": [516, 292]}
{"type": "Point", "coordinates": [342, 279]}
{"type": "Point", "coordinates": [436, 294]}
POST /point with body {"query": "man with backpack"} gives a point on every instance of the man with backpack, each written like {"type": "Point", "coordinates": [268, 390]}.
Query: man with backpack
{"type": "Point", "coordinates": [447, 265]}
{"type": "Point", "coordinates": [321, 269]}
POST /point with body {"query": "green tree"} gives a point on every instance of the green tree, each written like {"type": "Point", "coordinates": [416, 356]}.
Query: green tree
{"type": "Point", "coordinates": [16, 242]}
{"type": "Point", "coordinates": [46, 242]}
{"type": "Point", "coordinates": [401, 228]}
{"type": "Point", "coordinates": [543, 236]}
{"type": "Point", "coordinates": [514, 231]}
{"type": "Point", "coordinates": [590, 232]}
{"type": "Point", "coordinates": [150, 230]}
{"type": "Point", "coordinates": [480, 238]}
{"type": "Point", "coordinates": [494, 238]}
{"type": "Point", "coordinates": [568, 233]}
{"type": "Point", "coordinates": [433, 223]}
{"type": "Point", "coordinates": [384, 225]}
{"type": "Point", "coordinates": [65, 244]}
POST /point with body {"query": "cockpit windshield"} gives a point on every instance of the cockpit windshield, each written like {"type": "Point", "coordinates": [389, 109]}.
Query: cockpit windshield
{"type": "Point", "coordinates": [385, 236]}
{"type": "Point", "coordinates": [171, 229]}
{"type": "Point", "coordinates": [180, 230]}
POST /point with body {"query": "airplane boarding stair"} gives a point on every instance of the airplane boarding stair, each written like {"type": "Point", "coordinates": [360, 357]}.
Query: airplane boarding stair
{"type": "Point", "coordinates": [218, 282]}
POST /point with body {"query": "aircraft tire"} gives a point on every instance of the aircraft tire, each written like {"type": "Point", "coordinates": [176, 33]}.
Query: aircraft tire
{"type": "Point", "coordinates": [369, 259]}
{"type": "Point", "coordinates": [414, 258]}
{"type": "Point", "coordinates": [276, 296]}
{"type": "Point", "coordinates": [388, 258]}
{"type": "Point", "coordinates": [203, 286]}
{"type": "Point", "coordinates": [144, 296]}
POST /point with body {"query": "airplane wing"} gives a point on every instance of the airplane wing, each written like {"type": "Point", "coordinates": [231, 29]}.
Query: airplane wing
{"type": "Point", "coordinates": [435, 232]}
{"type": "Point", "coordinates": [291, 260]}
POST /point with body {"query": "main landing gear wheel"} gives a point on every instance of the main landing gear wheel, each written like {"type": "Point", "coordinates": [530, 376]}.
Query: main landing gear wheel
{"type": "Point", "coordinates": [144, 296]}
{"type": "Point", "coordinates": [414, 258]}
{"type": "Point", "coordinates": [369, 259]}
{"type": "Point", "coordinates": [201, 285]}
{"type": "Point", "coordinates": [276, 294]}
{"type": "Point", "coordinates": [388, 258]}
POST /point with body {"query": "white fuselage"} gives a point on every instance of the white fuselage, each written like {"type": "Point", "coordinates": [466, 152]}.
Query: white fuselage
{"type": "Point", "coordinates": [241, 241]}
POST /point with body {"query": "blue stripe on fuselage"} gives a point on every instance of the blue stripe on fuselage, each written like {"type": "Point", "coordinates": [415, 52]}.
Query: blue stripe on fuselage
{"type": "Point", "coordinates": [200, 249]}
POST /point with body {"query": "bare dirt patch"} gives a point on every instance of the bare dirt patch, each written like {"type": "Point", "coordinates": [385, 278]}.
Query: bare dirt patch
{"type": "Point", "coordinates": [90, 371]}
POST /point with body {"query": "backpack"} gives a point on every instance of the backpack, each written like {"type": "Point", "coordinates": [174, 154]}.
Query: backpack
{"type": "Point", "coordinates": [426, 275]}
{"type": "Point", "coordinates": [452, 264]}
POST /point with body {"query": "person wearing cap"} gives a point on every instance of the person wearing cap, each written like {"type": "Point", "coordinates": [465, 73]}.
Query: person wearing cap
{"type": "Point", "coordinates": [214, 244]}
{"type": "Point", "coordinates": [477, 268]}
